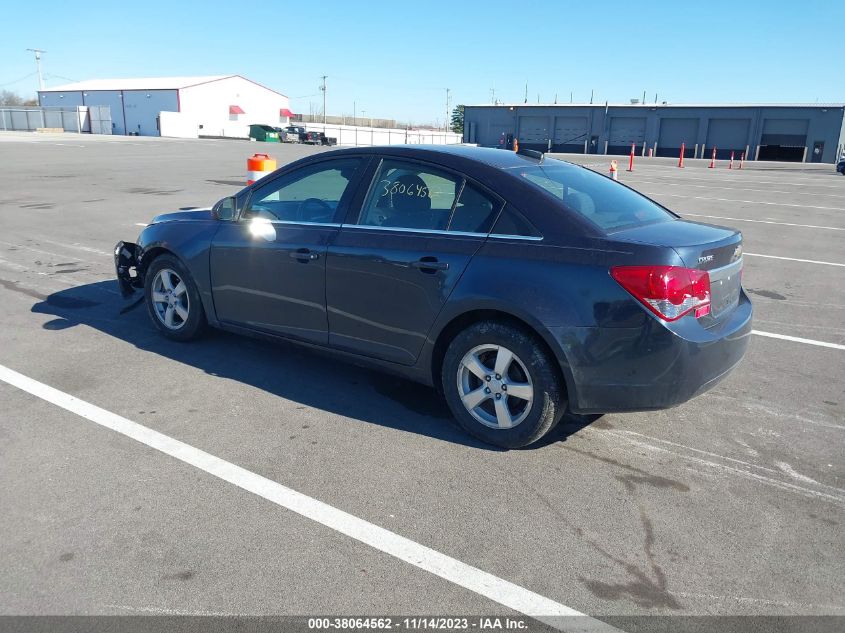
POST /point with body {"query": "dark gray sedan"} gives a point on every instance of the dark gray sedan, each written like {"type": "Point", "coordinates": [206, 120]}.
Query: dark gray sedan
{"type": "Point", "coordinates": [518, 285]}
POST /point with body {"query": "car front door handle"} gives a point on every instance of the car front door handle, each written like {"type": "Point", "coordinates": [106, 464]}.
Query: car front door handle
{"type": "Point", "coordinates": [429, 263]}
{"type": "Point", "coordinates": [303, 254]}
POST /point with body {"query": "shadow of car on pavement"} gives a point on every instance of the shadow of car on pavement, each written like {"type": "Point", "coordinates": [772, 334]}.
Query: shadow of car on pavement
{"type": "Point", "coordinates": [301, 375]}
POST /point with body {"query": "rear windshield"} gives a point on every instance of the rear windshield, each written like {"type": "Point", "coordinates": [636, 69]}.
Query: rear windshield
{"type": "Point", "coordinates": [602, 201]}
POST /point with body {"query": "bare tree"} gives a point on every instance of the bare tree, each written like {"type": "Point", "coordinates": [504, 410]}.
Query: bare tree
{"type": "Point", "coordinates": [9, 98]}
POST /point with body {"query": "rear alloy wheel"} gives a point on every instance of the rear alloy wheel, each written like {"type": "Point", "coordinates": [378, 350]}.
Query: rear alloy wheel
{"type": "Point", "coordinates": [495, 387]}
{"type": "Point", "coordinates": [173, 301]}
{"type": "Point", "coordinates": [501, 385]}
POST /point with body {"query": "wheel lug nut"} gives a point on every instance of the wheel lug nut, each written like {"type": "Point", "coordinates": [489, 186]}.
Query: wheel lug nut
{"type": "Point", "coordinates": [504, 387]}
{"type": "Point", "coordinates": [498, 377]}
{"type": "Point", "coordinates": [487, 378]}
{"type": "Point", "coordinates": [486, 389]}
{"type": "Point", "coordinates": [498, 396]}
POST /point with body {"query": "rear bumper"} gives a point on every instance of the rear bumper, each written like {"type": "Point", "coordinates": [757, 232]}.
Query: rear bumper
{"type": "Point", "coordinates": [655, 367]}
{"type": "Point", "coordinates": [126, 268]}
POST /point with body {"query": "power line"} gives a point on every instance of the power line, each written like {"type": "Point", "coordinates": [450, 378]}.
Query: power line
{"type": "Point", "coordinates": [9, 83]}
{"type": "Point", "coordinates": [61, 77]}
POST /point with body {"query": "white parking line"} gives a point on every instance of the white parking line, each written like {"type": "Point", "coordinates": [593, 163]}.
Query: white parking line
{"type": "Point", "coordinates": [740, 189]}
{"type": "Point", "coordinates": [804, 226]}
{"type": "Point", "coordinates": [76, 246]}
{"type": "Point", "coordinates": [40, 251]}
{"type": "Point", "coordinates": [485, 584]}
{"type": "Point", "coordinates": [774, 204]}
{"type": "Point", "coordinates": [794, 259]}
{"type": "Point", "coordinates": [798, 339]}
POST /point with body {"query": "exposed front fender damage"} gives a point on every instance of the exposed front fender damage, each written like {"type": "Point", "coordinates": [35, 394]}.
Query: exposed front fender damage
{"type": "Point", "coordinates": [127, 267]}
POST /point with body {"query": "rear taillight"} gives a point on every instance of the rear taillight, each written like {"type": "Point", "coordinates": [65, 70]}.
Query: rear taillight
{"type": "Point", "coordinates": [668, 291]}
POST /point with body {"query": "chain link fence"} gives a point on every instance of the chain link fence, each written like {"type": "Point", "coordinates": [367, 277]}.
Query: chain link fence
{"type": "Point", "coordinates": [69, 119]}
{"type": "Point", "coordinates": [368, 136]}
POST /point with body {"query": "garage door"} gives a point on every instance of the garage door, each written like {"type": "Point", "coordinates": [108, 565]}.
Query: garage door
{"type": "Point", "coordinates": [728, 135]}
{"type": "Point", "coordinates": [534, 132]}
{"type": "Point", "coordinates": [673, 133]}
{"type": "Point", "coordinates": [623, 132]}
{"type": "Point", "coordinates": [498, 129]}
{"type": "Point", "coordinates": [783, 139]}
{"type": "Point", "coordinates": [570, 134]}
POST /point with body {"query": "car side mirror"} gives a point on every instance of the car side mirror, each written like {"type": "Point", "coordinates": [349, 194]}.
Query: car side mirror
{"type": "Point", "coordinates": [225, 209]}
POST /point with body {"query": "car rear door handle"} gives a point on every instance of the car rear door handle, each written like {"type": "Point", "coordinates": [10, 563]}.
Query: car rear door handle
{"type": "Point", "coordinates": [303, 254]}
{"type": "Point", "coordinates": [429, 263]}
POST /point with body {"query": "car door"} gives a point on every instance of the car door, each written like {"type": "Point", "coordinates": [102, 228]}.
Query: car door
{"type": "Point", "coordinates": [268, 267]}
{"type": "Point", "coordinates": [393, 265]}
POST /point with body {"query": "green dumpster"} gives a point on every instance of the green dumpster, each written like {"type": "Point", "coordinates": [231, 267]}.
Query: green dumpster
{"type": "Point", "coordinates": [263, 133]}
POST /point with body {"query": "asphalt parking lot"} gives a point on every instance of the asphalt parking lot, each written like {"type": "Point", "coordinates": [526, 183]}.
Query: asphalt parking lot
{"type": "Point", "coordinates": [732, 504]}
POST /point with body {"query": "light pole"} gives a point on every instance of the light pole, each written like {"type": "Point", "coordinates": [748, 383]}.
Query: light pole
{"type": "Point", "coordinates": [446, 120]}
{"type": "Point", "coordinates": [38, 52]}
{"type": "Point", "coordinates": [323, 88]}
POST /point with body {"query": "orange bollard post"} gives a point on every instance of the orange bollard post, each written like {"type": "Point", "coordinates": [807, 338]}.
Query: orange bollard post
{"type": "Point", "coordinates": [731, 164]}
{"type": "Point", "coordinates": [258, 166]}
{"type": "Point", "coordinates": [681, 158]}
{"type": "Point", "coordinates": [516, 145]}
{"type": "Point", "coordinates": [650, 152]}
{"type": "Point", "coordinates": [741, 159]}
{"type": "Point", "coordinates": [631, 161]}
{"type": "Point", "coordinates": [613, 169]}
{"type": "Point", "coordinates": [713, 159]}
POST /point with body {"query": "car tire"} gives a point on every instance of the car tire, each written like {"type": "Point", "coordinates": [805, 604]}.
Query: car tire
{"type": "Point", "coordinates": [502, 419]}
{"type": "Point", "coordinates": [177, 315]}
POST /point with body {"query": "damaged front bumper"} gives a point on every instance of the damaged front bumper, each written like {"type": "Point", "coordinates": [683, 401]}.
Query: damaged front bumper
{"type": "Point", "coordinates": [127, 268]}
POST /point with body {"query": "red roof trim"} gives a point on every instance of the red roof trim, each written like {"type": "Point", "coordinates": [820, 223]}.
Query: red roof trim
{"type": "Point", "coordinates": [286, 112]}
{"type": "Point", "coordinates": [235, 109]}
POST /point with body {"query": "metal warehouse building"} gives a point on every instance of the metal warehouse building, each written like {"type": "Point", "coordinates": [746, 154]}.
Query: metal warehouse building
{"type": "Point", "coordinates": [797, 132]}
{"type": "Point", "coordinates": [222, 105]}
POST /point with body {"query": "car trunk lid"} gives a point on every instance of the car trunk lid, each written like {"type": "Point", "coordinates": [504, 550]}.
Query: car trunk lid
{"type": "Point", "coordinates": [715, 249]}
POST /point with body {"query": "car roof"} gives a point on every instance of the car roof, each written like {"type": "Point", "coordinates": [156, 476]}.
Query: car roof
{"type": "Point", "coordinates": [498, 158]}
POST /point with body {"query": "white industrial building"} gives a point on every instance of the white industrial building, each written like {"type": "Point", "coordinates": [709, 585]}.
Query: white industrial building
{"type": "Point", "coordinates": [186, 107]}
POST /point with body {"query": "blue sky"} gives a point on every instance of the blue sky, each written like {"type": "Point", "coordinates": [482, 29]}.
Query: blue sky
{"type": "Point", "coordinates": [395, 59]}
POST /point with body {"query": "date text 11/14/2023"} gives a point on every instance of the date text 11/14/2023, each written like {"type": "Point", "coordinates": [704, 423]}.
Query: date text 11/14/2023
{"type": "Point", "coordinates": [421, 623]}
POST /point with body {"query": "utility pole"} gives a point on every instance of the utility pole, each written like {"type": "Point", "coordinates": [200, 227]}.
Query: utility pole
{"type": "Point", "coordinates": [526, 92]}
{"type": "Point", "coordinates": [592, 92]}
{"type": "Point", "coordinates": [446, 121]}
{"type": "Point", "coordinates": [38, 52]}
{"type": "Point", "coordinates": [492, 95]}
{"type": "Point", "coordinates": [323, 88]}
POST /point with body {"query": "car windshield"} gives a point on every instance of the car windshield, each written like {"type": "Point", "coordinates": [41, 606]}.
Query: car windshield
{"type": "Point", "coordinates": [602, 201]}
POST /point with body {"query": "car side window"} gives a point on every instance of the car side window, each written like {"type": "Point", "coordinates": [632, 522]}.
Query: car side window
{"type": "Point", "coordinates": [412, 196]}
{"type": "Point", "coordinates": [311, 194]}
{"type": "Point", "coordinates": [512, 222]}
{"type": "Point", "coordinates": [474, 212]}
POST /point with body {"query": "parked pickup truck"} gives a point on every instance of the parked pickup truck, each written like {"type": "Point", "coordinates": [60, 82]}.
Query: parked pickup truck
{"type": "Point", "coordinates": [319, 138]}
{"type": "Point", "coordinates": [292, 134]}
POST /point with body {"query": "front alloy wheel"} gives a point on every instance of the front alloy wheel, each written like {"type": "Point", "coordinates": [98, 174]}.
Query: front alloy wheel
{"type": "Point", "coordinates": [171, 302]}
